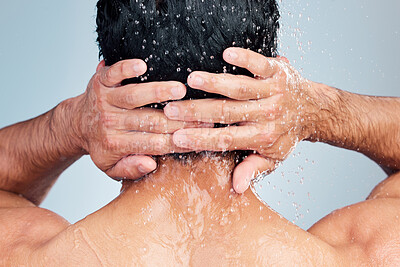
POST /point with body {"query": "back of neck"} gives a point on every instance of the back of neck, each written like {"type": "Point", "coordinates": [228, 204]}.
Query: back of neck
{"type": "Point", "coordinates": [193, 180]}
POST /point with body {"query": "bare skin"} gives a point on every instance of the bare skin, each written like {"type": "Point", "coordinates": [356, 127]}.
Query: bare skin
{"type": "Point", "coordinates": [106, 122]}
{"type": "Point", "coordinates": [188, 214]}
{"type": "Point", "coordinates": [203, 220]}
{"type": "Point", "coordinates": [278, 108]}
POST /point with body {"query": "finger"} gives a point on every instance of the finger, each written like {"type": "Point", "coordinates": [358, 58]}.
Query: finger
{"type": "Point", "coordinates": [126, 69]}
{"type": "Point", "coordinates": [125, 144]}
{"type": "Point", "coordinates": [249, 169]}
{"type": "Point", "coordinates": [233, 86]}
{"type": "Point", "coordinates": [223, 139]}
{"type": "Point", "coordinates": [254, 62]}
{"type": "Point", "coordinates": [223, 111]}
{"type": "Point", "coordinates": [285, 59]}
{"type": "Point", "coordinates": [137, 95]}
{"type": "Point", "coordinates": [132, 168]}
{"type": "Point", "coordinates": [149, 120]}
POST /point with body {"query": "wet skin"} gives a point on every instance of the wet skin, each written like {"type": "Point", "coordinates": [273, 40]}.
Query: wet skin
{"type": "Point", "coordinates": [186, 213]}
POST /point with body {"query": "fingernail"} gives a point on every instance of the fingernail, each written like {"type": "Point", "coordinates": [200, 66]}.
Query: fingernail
{"type": "Point", "coordinates": [138, 67]}
{"type": "Point", "coordinates": [177, 92]}
{"type": "Point", "coordinates": [142, 169]}
{"type": "Point", "coordinates": [232, 55]}
{"type": "Point", "coordinates": [198, 81]}
{"type": "Point", "coordinates": [243, 186]}
{"type": "Point", "coordinates": [171, 111]}
{"type": "Point", "coordinates": [181, 140]}
{"type": "Point", "coordinates": [240, 188]}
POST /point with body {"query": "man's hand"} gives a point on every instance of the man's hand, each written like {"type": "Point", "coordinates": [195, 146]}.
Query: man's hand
{"type": "Point", "coordinates": [115, 131]}
{"type": "Point", "coordinates": [269, 113]}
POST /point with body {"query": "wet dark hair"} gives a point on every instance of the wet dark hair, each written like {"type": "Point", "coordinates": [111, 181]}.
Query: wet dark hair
{"type": "Point", "coordinates": [176, 37]}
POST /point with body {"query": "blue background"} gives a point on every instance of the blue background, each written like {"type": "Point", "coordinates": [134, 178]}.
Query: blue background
{"type": "Point", "coordinates": [48, 53]}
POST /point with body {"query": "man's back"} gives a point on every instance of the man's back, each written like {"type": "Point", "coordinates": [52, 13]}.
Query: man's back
{"type": "Point", "coordinates": [186, 214]}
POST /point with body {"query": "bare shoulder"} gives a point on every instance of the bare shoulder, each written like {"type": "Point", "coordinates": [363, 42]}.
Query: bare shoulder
{"type": "Point", "coordinates": [24, 227]}
{"type": "Point", "coordinates": [389, 188]}
{"type": "Point", "coordinates": [368, 231]}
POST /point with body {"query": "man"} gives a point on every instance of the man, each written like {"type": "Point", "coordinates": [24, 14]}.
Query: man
{"type": "Point", "coordinates": [186, 212]}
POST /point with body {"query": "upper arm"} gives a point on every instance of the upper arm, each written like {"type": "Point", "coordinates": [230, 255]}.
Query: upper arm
{"type": "Point", "coordinates": [24, 227]}
{"type": "Point", "coordinates": [368, 231]}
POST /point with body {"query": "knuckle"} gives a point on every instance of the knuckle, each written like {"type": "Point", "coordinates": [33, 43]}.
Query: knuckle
{"type": "Point", "coordinates": [157, 128]}
{"type": "Point", "coordinates": [128, 100]}
{"type": "Point", "coordinates": [108, 119]}
{"type": "Point", "coordinates": [265, 137]}
{"type": "Point", "coordinates": [109, 74]}
{"type": "Point", "coordinates": [220, 79]}
{"type": "Point", "coordinates": [189, 111]}
{"type": "Point", "coordinates": [260, 116]}
{"type": "Point", "coordinates": [265, 65]}
{"type": "Point", "coordinates": [161, 94]}
{"type": "Point", "coordinates": [162, 121]}
{"type": "Point", "coordinates": [159, 125]}
{"type": "Point", "coordinates": [278, 85]}
{"type": "Point", "coordinates": [246, 57]}
{"type": "Point", "coordinates": [267, 109]}
{"type": "Point", "coordinates": [225, 111]}
{"type": "Point", "coordinates": [109, 143]}
{"type": "Point", "coordinates": [157, 144]}
{"type": "Point", "coordinates": [243, 91]}
{"type": "Point", "coordinates": [124, 69]}
{"type": "Point", "coordinates": [215, 83]}
{"type": "Point", "coordinates": [225, 140]}
{"type": "Point", "coordinates": [227, 137]}
{"type": "Point", "coordinates": [163, 125]}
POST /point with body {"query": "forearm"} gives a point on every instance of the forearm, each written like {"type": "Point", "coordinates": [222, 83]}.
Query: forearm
{"type": "Point", "coordinates": [35, 152]}
{"type": "Point", "coordinates": [361, 123]}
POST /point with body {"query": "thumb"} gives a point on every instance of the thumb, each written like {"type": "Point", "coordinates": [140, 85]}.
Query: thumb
{"type": "Point", "coordinates": [248, 169]}
{"type": "Point", "coordinates": [132, 168]}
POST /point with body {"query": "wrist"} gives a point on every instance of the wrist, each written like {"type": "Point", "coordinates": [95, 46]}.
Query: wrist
{"type": "Point", "coordinates": [67, 126]}
{"type": "Point", "coordinates": [324, 113]}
